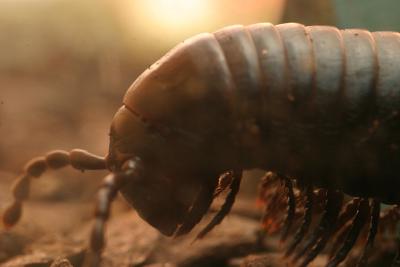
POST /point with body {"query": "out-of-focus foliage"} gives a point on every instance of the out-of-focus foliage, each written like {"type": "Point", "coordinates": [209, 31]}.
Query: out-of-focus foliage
{"type": "Point", "coordinates": [309, 12]}
{"type": "Point", "coordinates": [374, 15]}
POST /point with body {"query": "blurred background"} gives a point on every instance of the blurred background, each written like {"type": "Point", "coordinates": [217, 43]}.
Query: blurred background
{"type": "Point", "coordinates": [66, 64]}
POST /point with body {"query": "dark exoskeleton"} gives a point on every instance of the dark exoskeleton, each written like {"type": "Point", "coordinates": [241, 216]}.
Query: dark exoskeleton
{"type": "Point", "coordinates": [317, 106]}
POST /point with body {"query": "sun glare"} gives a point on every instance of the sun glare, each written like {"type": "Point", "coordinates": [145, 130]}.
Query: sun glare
{"type": "Point", "coordinates": [161, 24]}
{"type": "Point", "coordinates": [176, 13]}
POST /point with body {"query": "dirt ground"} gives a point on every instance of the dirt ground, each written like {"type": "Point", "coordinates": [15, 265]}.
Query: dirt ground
{"type": "Point", "coordinates": [55, 233]}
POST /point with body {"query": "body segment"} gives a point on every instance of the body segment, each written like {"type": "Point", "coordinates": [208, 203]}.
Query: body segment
{"type": "Point", "coordinates": [315, 103]}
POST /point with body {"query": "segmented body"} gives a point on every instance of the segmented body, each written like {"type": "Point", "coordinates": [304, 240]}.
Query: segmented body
{"type": "Point", "coordinates": [315, 103]}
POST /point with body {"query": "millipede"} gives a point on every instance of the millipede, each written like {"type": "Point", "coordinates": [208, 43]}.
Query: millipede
{"type": "Point", "coordinates": [316, 107]}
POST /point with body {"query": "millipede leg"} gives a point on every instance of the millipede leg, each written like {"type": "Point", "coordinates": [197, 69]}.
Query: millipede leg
{"type": "Point", "coordinates": [319, 200]}
{"type": "Point", "coordinates": [359, 220]}
{"type": "Point", "coordinates": [321, 235]}
{"type": "Point", "coordinates": [373, 229]}
{"type": "Point", "coordinates": [272, 194]}
{"type": "Point", "coordinates": [78, 159]}
{"type": "Point", "coordinates": [348, 212]}
{"type": "Point", "coordinates": [223, 182]}
{"type": "Point", "coordinates": [265, 188]}
{"type": "Point", "coordinates": [226, 207]}
{"type": "Point", "coordinates": [199, 207]}
{"type": "Point", "coordinates": [340, 239]}
{"type": "Point", "coordinates": [316, 234]}
{"type": "Point", "coordinates": [305, 224]}
{"type": "Point", "coordinates": [268, 180]}
{"type": "Point", "coordinates": [269, 219]}
{"type": "Point", "coordinates": [291, 210]}
{"type": "Point", "coordinates": [388, 220]}
{"type": "Point", "coordinates": [342, 225]}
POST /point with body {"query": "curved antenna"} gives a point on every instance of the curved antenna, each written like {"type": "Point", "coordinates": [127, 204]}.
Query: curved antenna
{"type": "Point", "coordinates": [77, 158]}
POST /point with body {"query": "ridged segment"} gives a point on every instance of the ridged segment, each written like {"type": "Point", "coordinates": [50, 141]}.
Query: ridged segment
{"type": "Point", "coordinates": [320, 92]}
{"type": "Point", "coordinates": [388, 82]}
{"type": "Point", "coordinates": [297, 125]}
{"type": "Point", "coordinates": [241, 57]}
{"type": "Point", "coordinates": [329, 64]}
{"type": "Point", "coordinates": [360, 76]}
{"type": "Point", "coordinates": [274, 74]}
{"type": "Point", "coordinates": [299, 60]}
{"type": "Point", "coordinates": [271, 56]}
{"type": "Point", "coordinates": [330, 67]}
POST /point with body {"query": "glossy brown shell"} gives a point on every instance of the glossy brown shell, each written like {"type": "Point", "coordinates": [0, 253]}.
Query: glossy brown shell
{"type": "Point", "coordinates": [316, 103]}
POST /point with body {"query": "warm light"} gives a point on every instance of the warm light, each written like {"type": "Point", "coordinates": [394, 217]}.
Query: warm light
{"type": "Point", "coordinates": [176, 14]}
{"type": "Point", "coordinates": [158, 25]}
